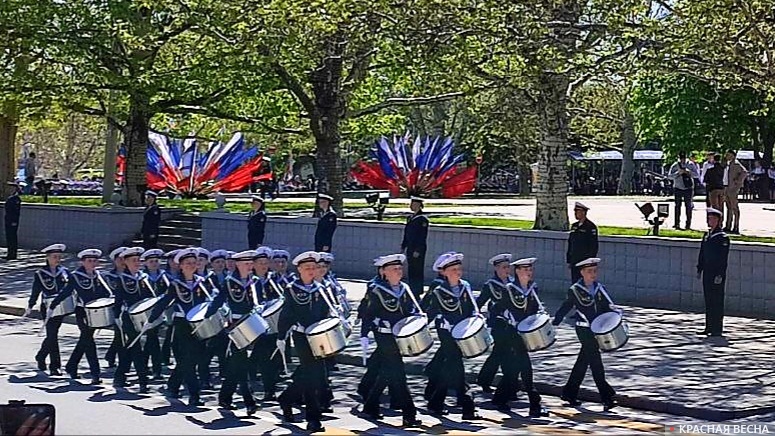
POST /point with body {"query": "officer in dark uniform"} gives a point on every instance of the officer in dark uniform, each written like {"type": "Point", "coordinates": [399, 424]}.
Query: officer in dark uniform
{"type": "Point", "coordinates": [304, 306]}
{"type": "Point", "coordinates": [256, 223]}
{"type": "Point", "coordinates": [415, 244]}
{"type": "Point", "coordinates": [590, 299]}
{"type": "Point", "coordinates": [151, 220]}
{"type": "Point", "coordinates": [13, 209]}
{"type": "Point", "coordinates": [712, 268]}
{"type": "Point", "coordinates": [493, 291]}
{"type": "Point", "coordinates": [582, 242]}
{"type": "Point", "coordinates": [389, 303]}
{"type": "Point", "coordinates": [324, 233]}
{"type": "Point", "coordinates": [133, 287]}
{"type": "Point", "coordinates": [88, 286]}
{"type": "Point", "coordinates": [47, 284]}
{"type": "Point", "coordinates": [240, 294]}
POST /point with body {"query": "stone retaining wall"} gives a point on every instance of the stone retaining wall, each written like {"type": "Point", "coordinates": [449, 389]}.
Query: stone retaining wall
{"type": "Point", "coordinates": [78, 227]}
{"type": "Point", "coordinates": [644, 271]}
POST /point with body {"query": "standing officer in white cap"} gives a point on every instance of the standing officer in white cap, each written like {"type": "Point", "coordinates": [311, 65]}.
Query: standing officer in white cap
{"type": "Point", "coordinates": [582, 241]}
{"type": "Point", "coordinates": [415, 245]}
{"type": "Point", "coordinates": [324, 233]}
{"type": "Point", "coordinates": [256, 223]}
{"type": "Point", "coordinates": [13, 210]}
{"type": "Point", "coordinates": [151, 220]}
{"type": "Point", "coordinates": [493, 290]}
{"type": "Point", "coordinates": [48, 282]}
{"type": "Point", "coordinates": [712, 268]}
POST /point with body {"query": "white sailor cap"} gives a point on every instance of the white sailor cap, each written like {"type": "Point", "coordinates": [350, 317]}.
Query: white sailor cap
{"type": "Point", "coordinates": [322, 196]}
{"type": "Point", "coordinates": [280, 254]}
{"type": "Point", "coordinates": [171, 254]}
{"type": "Point", "coordinates": [90, 253]}
{"type": "Point", "coordinates": [416, 198]}
{"type": "Point", "coordinates": [499, 258]}
{"type": "Point", "coordinates": [230, 253]}
{"type": "Point", "coordinates": [325, 257]}
{"type": "Point", "coordinates": [150, 193]}
{"type": "Point", "coordinates": [218, 254]}
{"type": "Point", "coordinates": [263, 252]}
{"type": "Point", "coordinates": [186, 253]}
{"type": "Point", "coordinates": [580, 205]}
{"type": "Point", "coordinates": [153, 253]}
{"type": "Point", "coordinates": [248, 255]}
{"type": "Point", "coordinates": [307, 256]}
{"type": "Point", "coordinates": [447, 259]}
{"type": "Point", "coordinates": [389, 260]}
{"type": "Point", "coordinates": [203, 252]}
{"type": "Point", "coordinates": [526, 261]}
{"type": "Point", "coordinates": [115, 253]}
{"type": "Point", "coordinates": [592, 261]}
{"type": "Point", "coordinates": [131, 251]}
{"type": "Point", "coordinates": [256, 198]}
{"type": "Point", "coordinates": [714, 211]}
{"type": "Point", "coordinates": [54, 248]}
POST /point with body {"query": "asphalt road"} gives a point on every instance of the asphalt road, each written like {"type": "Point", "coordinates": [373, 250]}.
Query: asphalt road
{"type": "Point", "coordinates": [84, 409]}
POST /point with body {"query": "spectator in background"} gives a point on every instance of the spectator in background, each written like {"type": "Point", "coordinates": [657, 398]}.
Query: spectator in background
{"type": "Point", "coordinates": [714, 183]}
{"type": "Point", "coordinates": [734, 177]}
{"type": "Point", "coordinates": [758, 177]}
{"type": "Point", "coordinates": [771, 176]}
{"type": "Point", "coordinates": [683, 172]}
{"type": "Point", "coordinates": [708, 164]}
{"type": "Point", "coordinates": [30, 171]}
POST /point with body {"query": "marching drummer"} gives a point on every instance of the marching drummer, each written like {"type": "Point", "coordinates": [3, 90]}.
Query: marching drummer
{"type": "Point", "coordinates": [231, 265]}
{"type": "Point", "coordinates": [329, 278]}
{"type": "Point", "coordinates": [448, 303]}
{"type": "Point", "coordinates": [46, 284]}
{"type": "Point", "coordinates": [590, 299]}
{"type": "Point", "coordinates": [240, 294]}
{"type": "Point", "coordinates": [218, 264]}
{"type": "Point", "coordinates": [493, 290]}
{"type": "Point", "coordinates": [390, 302]}
{"type": "Point", "coordinates": [173, 269]}
{"type": "Point", "coordinates": [184, 293]}
{"type": "Point", "coordinates": [112, 279]}
{"type": "Point", "coordinates": [171, 273]}
{"type": "Point", "coordinates": [304, 306]}
{"type": "Point", "coordinates": [280, 260]}
{"type": "Point", "coordinates": [215, 346]}
{"type": "Point", "coordinates": [267, 290]}
{"type": "Point", "coordinates": [133, 287]}
{"type": "Point", "coordinates": [159, 281]}
{"type": "Point", "coordinates": [88, 286]}
{"type": "Point", "coordinates": [520, 301]}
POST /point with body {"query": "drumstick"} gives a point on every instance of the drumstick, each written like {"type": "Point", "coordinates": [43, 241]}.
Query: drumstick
{"type": "Point", "coordinates": [414, 300]}
{"type": "Point", "coordinates": [473, 300]}
{"type": "Point", "coordinates": [148, 285]}
{"type": "Point", "coordinates": [139, 335]}
{"type": "Point", "coordinates": [102, 282]}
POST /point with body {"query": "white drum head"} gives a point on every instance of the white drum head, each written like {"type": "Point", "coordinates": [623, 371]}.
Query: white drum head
{"type": "Point", "coordinates": [467, 327]}
{"type": "Point", "coordinates": [273, 308]}
{"type": "Point", "coordinates": [532, 322]}
{"type": "Point", "coordinates": [197, 313]}
{"type": "Point", "coordinates": [144, 305]}
{"type": "Point", "coordinates": [605, 322]}
{"type": "Point", "coordinates": [322, 326]}
{"type": "Point", "coordinates": [409, 326]}
{"type": "Point", "coordinates": [100, 302]}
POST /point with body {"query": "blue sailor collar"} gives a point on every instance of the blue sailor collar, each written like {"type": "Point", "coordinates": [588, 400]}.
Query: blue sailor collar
{"type": "Point", "coordinates": [194, 284]}
{"type": "Point", "coordinates": [497, 281]}
{"type": "Point", "coordinates": [530, 287]}
{"type": "Point", "coordinates": [384, 286]}
{"type": "Point", "coordinates": [60, 270]}
{"type": "Point", "coordinates": [311, 288]}
{"type": "Point", "coordinates": [593, 290]}
{"type": "Point", "coordinates": [80, 271]}
{"type": "Point", "coordinates": [456, 291]}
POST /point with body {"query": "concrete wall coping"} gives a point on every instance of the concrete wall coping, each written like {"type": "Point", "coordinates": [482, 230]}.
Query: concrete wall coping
{"type": "Point", "coordinates": [97, 209]}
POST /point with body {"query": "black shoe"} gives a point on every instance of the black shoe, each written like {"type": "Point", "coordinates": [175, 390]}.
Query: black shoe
{"type": "Point", "coordinates": [143, 389]}
{"type": "Point", "coordinates": [394, 406]}
{"type": "Point", "coordinates": [437, 412]}
{"type": "Point", "coordinates": [571, 401]}
{"type": "Point", "coordinates": [470, 416]}
{"type": "Point", "coordinates": [676, 227]}
{"type": "Point", "coordinates": [372, 414]}
{"type": "Point", "coordinates": [73, 374]}
{"type": "Point", "coordinates": [715, 335]}
{"type": "Point", "coordinates": [252, 409]}
{"type": "Point", "coordinates": [41, 365]}
{"type": "Point", "coordinates": [96, 381]}
{"type": "Point", "coordinates": [411, 422]}
{"type": "Point", "coordinates": [169, 394]}
{"type": "Point", "coordinates": [487, 389]}
{"type": "Point", "coordinates": [287, 412]}
{"type": "Point", "coordinates": [119, 383]}
{"type": "Point", "coordinates": [55, 372]}
{"type": "Point", "coordinates": [703, 333]}
{"type": "Point", "coordinates": [269, 396]}
{"type": "Point", "coordinates": [195, 402]}
{"type": "Point", "coordinates": [111, 364]}
{"type": "Point", "coordinates": [315, 426]}
{"type": "Point", "coordinates": [206, 386]}
{"type": "Point", "coordinates": [501, 407]}
{"type": "Point", "coordinates": [227, 406]}
{"type": "Point", "coordinates": [735, 231]}
{"type": "Point", "coordinates": [327, 409]}
{"type": "Point", "coordinates": [608, 405]}
{"type": "Point", "coordinates": [538, 412]}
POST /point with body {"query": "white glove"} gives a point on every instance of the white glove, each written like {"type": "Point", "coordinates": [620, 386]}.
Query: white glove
{"type": "Point", "coordinates": [27, 312]}
{"type": "Point", "coordinates": [364, 348]}
{"type": "Point", "coordinates": [281, 346]}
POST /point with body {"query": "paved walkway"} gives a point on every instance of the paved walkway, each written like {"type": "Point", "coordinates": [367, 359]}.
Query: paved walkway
{"type": "Point", "coordinates": [664, 367]}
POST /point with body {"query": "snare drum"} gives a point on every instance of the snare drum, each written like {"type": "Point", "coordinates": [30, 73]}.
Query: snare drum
{"type": "Point", "coordinates": [326, 337]}
{"type": "Point", "coordinates": [537, 332]}
{"type": "Point", "coordinates": [413, 337]}
{"type": "Point", "coordinates": [205, 328]}
{"type": "Point", "coordinates": [472, 336]}
{"type": "Point", "coordinates": [611, 331]}
{"type": "Point", "coordinates": [140, 313]}
{"type": "Point", "coordinates": [99, 313]}
{"type": "Point", "coordinates": [247, 330]}
{"type": "Point", "coordinates": [271, 314]}
{"type": "Point", "coordinates": [65, 307]}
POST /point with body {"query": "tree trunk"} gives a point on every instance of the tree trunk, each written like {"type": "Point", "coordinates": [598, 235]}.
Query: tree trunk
{"type": "Point", "coordinates": [111, 147]}
{"type": "Point", "coordinates": [551, 190]}
{"type": "Point", "coordinates": [524, 178]}
{"type": "Point", "coordinates": [136, 142]}
{"type": "Point", "coordinates": [330, 105]}
{"type": "Point", "coordinates": [629, 141]}
{"type": "Point", "coordinates": [8, 127]}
